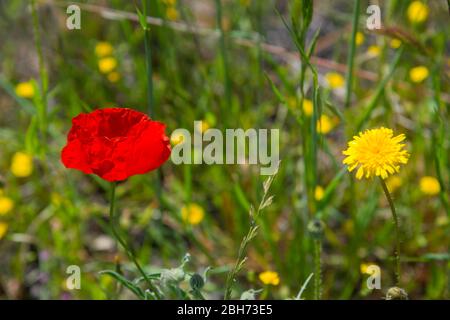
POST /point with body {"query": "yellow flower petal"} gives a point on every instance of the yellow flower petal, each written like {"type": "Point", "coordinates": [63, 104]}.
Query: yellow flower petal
{"type": "Point", "coordinates": [22, 165]}
{"type": "Point", "coordinates": [25, 90]}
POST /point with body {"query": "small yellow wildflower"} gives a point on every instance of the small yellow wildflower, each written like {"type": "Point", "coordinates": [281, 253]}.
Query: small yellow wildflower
{"type": "Point", "coordinates": [359, 38]}
{"type": "Point", "coordinates": [417, 12]}
{"type": "Point", "coordinates": [22, 165]}
{"type": "Point", "coordinates": [192, 214]}
{"type": "Point", "coordinates": [430, 185]}
{"type": "Point", "coordinates": [202, 126]}
{"type": "Point", "coordinates": [376, 152]}
{"type": "Point", "coordinates": [25, 90]}
{"type": "Point", "coordinates": [176, 138]}
{"type": "Point", "coordinates": [107, 65]}
{"type": "Point", "coordinates": [335, 80]}
{"type": "Point", "coordinates": [308, 107]}
{"type": "Point", "coordinates": [103, 49]}
{"type": "Point", "coordinates": [6, 205]}
{"type": "Point", "coordinates": [113, 76]}
{"type": "Point", "coordinates": [393, 183]}
{"type": "Point", "coordinates": [325, 124]}
{"type": "Point", "coordinates": [170, 2]}
{"type": "Point", "coordinates": [363, 268]}
{"type": "Point", "coordinates": [374, 51]}
{"type": "Point", "coordinates": [172, 13]}
{"type": "Point", "coordinates": [3, 229]}
{"type": "Point", "coordinates": [395, 43]}
{"type": "Point", "coordinates": [269, 277]}
{"type": "Point", "coordinates": [319, 193]}
{"type": "Point", "coordinates": [418, 74]}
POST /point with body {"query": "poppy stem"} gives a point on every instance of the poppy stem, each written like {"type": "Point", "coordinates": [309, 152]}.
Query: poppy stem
{"type": "Point", "coordinates": [397, 231]}
{"type": "Point", "coordinates": [113, 222]}
{"type": "Point", "coordinates": [317, 269]}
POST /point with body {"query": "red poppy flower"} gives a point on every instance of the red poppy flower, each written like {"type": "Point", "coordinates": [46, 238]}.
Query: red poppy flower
{"type": "Point", "coordinates": [115, 143]}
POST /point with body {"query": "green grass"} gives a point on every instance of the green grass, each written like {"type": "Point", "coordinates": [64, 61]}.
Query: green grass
{"type": "Point", "coordinates": [234, 66]}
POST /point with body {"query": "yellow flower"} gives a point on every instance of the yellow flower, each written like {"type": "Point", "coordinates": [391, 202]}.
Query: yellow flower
{"type": "Point", "coordinates": [170, 2]}
{"type": "Point", "coordinates": [359, 38]}
{"type": "Point", "coordinates": [430, 185]}
{"type": "Point", "coordinates": [25, 89]}
{"type": "Point", "coordinates": [318, 193]}
{"type": "Point", "coordinates": [335, 80]}
{"type": "Point", "coordinates": [374, 51]}
{"type": "Point", "coordinates": [106, 65]}
{"type": "Point", "coordinates": [308, 107]}
{"type": "Point", "coordinates": [176, 138]}
{"type": "Point", "coordinates": [113, 76]}
{"type": "Point", "coordinates": [325, 124]}
{"type": "Point", "coordinates": [103, 49]}
{"type": "Point", "coordinates": [417, 12]}
{"type": "Point", "coordinates": [192, 214]}
{"type": "Point", "coordinates": [6, 205]}
{"type": "Point", "coordinates": [3, 229]}
{"type": "Point", "coordinates": [395, 43]}
{"type": "Point", "coordinates": [365, 268]}
{"type": "Point", "coordinates": [376, 152]}
{"type": "Point", "coordinates": [418, 74]}
{"type": "Point", "coordinates": [22, 165]}
{"type": "Point", "coordinates": [202, 126]}
{"type": "Point", "coordinates": [172, 13]}
{"type": "Point", "coordinates": [393, 183]}
{"type": "Point", "coordinates": [269, 277]}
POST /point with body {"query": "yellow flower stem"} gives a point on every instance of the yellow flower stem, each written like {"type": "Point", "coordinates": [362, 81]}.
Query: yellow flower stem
{"type": "Point", "coordinates": [317, 269]}
{"type": "Point", "coordinates": [397, 231]}
{"type": "Point", "coordinates": [114, 223]}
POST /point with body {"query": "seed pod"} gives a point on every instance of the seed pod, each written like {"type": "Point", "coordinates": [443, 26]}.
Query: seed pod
{"type": "Point", "coordinates": [315, 228]}
{"type": "Point", "coordinates": [396, 293]}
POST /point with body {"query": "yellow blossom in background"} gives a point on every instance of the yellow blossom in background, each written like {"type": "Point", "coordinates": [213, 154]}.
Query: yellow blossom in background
{"type": "Point", "coordinates": [170, 2]}
{"type": "Point", "coordinates": [25, 90]}
{"type": "Point", "coordinates": [22, 165]}
{"type": "Point", "coordinates": [308, 107]}
{"type": "Point", "coordinates": [359, 40]}
{"type": "Point", "coordinates": [192, 214]}
{"type": "Point", "coordinates": [103, 49]}
{"type": "Point", "coordinates": [418, 74]}
{"type": "Point", "coordinates": [376, 152]}
{"type": "Point", "coordinates": [3, 229]}
{"type": "Point", "coordinates": [374, 51]}
{"type": "Point", "coordinates": [325, 124]}
{"type": "Point", "coordinates": [113, 76]}
{"type": "Point", "coordinates": [202, 126]}
{"type": "Point", "coordinates": [6, 205]}
{"type": "Point", "coordinates": [318, 193]}
{"type": "Point", "coordinates": [106, 65]}
{"type": "Point", "coordinates": [393, 183]}
{"type": "Point", "coordinates": [172, 13]}
{"type": "Point", "coordinates": [430, 185]}
{"type": "Point", "coordinates": [335, 80]}
{"type": "Point", "coordinates": [363, 268]}
{"type": "Point", "coordinates": [417, 12]}
{"type": "Point", "coordinates": [269, 277]}
{"type": "Point", "coordinates": [395, 43]}
{"type": "Point", "coordinates": [176, 138]}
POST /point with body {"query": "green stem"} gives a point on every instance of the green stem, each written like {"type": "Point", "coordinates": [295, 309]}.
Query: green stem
{"type": "Point", "coordinates": [223, 51]}
{"type": "Point", "coordinates": [351, 56]}
{"type": "Point", "coordinates": [317, 269]}
{"type": "Point", "coordinates": [113, 223]}
{"type": "Point", "coordinates": [397, 231]}
{"type": "Point", "coordinates": [148, 64]}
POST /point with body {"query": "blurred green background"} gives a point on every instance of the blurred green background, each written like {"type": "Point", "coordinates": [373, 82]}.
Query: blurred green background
{"type": "Point", "coordinates": [244, 72]}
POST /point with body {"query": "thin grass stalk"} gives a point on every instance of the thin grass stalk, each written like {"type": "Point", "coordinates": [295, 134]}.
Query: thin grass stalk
{"type": "Point", "coordinates": [351, 56]}
{"type": "Point", "coordinates": [397, 231]}
{"type": "Point", "coordinates": [223, 53]}
{"type": "Point", "coordinates": [114, 228]}
{"type": "Point", "coordinates": [43, 83]}
{"type": "Point", "coordinates": [317, 269]}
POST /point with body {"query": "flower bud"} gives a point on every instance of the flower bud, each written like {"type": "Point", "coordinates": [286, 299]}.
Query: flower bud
{"type": "Point", "coordinates": [315, 228]}
{"type": "Point", "coordinates": [396, 293]}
